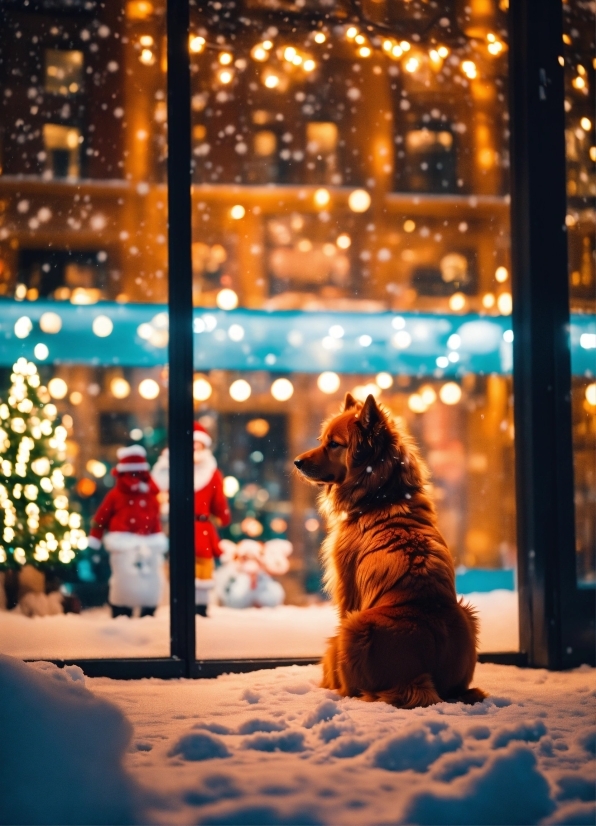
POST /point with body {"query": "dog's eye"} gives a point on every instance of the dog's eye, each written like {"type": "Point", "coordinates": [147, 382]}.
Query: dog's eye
{"type": "Point", "coordinates": [333, 443]}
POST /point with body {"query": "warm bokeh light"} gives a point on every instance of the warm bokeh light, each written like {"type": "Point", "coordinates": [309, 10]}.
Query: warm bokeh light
{"type": "Point", "coordinates": [362, 391]}
{"type": "Point", "coordinates": [258, 428]}
{"type": "Point", "coordinates": [237, 212]}
{"type": "Point", "coordinates": [23, 326]}
{"type": "Point", "coordinates": [231, 486]}
{"type": "Point", "coordinates": [591, 394]}
{"type": "Point", "coordinates": [450, 393]}
{"type": "Point", "coordinates": [468, 67]}
{"type": "Point", "coordinates": [149, 389]}
{"type": "Point", "coordinates": [226, 76]}
{"type": "Point", "coordinates": [271, 80]}
{"type": "Point", "coordinates": [343, 241]}
{"type": "Point", "coordinates": [240, 390]}
{"type": "Point", "coordinates": [225, 58]}
{"type": "Point", "coordinates": [409, 225]}
{"type": "Point", "coordinates": [41, 352]}
{"type": "Point", "coordinates": [320, 37]}
{"type": "Point", "coordinates": [505, 304]}
{"type": "Point", "coordinates": [488, 300]}
{"type": "Point", "coordinates": [282, 390]}
{"type": "Point", "coordinates": [226, 299]}
{"type": "Point", "coordinates": [251, 527]}
{"type": "Point", "coordinates": [102, 326]}
{"type": "Point", "coordinates": [57, 388]}
{"type": "Point", "coordinates": [457, 302]}
{"type": "Point", "coordinates": [428, 395]}
{"type": "Point", "coordinates": [359, 200]}
{"type": "Point", "coordinates": [201, 389]}
{"type": "Point", "coordinates": [147, 57]}
{"type": "Point", "coordinates": [416, 403]}
{"type": "Point", "coordinates": [322, 197]}
{"type": "Point", "coordinates": [401, 340]}
{"type": "Point", "coordinates": [96, 468]}
{"type": "Point", "coordinates": [75, 397]}
{"type": "Point", "coordinates": [197, 44]}
{"type": "Point", "coordinates": [328, 382]}
{"type": "Point", "coordinates": [501, 274]}
{"type": "Point", "coordinates": [384, 380]}
{"type": "Point", "coordinates": [259, 54]}
{"type": "Point", "coordinates": [119, 388]}
{"type": "Point", "coordinates": [50, 323]}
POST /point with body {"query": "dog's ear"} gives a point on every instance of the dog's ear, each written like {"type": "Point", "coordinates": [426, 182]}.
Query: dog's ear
{"type": "Point", "coordinates": [370, 413]}
{"type": "Point", "coordinates": [349, 401]}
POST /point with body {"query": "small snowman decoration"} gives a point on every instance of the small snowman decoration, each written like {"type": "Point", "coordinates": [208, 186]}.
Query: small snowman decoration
{"type": "Point", "coordinates": [245, 577]}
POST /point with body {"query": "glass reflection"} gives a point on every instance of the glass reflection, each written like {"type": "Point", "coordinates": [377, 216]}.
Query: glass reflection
{"type": "Point", "coordinates": [83, 281]}
{"type": "Point", "coordinates": [580, 119]}
{"type": "Point", "coordinates": [350, 233]}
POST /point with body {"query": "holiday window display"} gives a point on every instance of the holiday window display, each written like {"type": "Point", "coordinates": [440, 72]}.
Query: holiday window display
{"type": "Point", "coordinates": [40, 535]}
{"type": "Point", "coordinates": [210, 506]}
{"type": "Point", "coordinates": [128, 523]}
{"type": "Point", "coordinates": [245, 578]}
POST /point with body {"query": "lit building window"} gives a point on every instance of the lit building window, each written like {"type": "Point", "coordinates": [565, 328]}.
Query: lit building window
{"type": "Point", "coordinates": [63, 72]}
{"type": "Point", "coordinates": [430, 160]}
{"type": "Point", "coordinates": [62, 152]}
{"type": "Point", "coordinates": [321, 148]}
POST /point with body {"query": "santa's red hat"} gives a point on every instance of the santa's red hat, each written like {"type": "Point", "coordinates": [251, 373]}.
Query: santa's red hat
{"type": "Point", "coordinates": [201, 435]}
{"type": "Point", "coordinates": [132, 459]}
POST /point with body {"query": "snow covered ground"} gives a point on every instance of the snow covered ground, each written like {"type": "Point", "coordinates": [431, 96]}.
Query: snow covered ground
{"type": "Point", "coordinates": [286, 631]}
{"type": "Point", "coordinates": [272, 748]}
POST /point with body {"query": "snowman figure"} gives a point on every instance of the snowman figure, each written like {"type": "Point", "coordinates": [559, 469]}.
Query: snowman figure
{"type": "Point", "coordinates": [127, 522]}
{"type": "Point", "coordinates": [245, 578]}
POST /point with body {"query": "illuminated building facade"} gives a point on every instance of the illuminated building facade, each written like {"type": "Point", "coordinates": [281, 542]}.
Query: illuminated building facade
{"type": "Point", "coordinates": [350, 232]}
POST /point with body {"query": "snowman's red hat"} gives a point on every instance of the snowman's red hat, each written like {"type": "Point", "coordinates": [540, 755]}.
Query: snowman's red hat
{"type": "Point", "coordinates": [132, 459]}
{"type": "Point", "coordinates": [200, 435]}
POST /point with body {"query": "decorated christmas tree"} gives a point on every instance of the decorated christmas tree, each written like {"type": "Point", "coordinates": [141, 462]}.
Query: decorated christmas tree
{"type": "Point", "coordinates": [36, 525]}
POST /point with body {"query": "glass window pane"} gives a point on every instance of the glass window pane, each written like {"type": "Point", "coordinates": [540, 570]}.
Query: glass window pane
{"type": "Point", "coordinates": [580, 142]}
{"type": "Point", "coordinates": [350, 233]}
{"type": "Point", "coordinates": [83, 285]}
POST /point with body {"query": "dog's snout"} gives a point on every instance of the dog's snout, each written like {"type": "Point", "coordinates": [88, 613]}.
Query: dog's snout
{"type": "Point", "coordinates": [298, 462]}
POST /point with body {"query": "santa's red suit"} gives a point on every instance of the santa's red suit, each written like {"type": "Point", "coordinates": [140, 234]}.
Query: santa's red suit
{"type": "Point", "coordinates": [210, 500]}
{"type": "Point", "coordinates": [127, 522]}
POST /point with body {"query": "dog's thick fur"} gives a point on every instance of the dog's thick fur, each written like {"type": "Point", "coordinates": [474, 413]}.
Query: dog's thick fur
{"type": "Point", "coordinates": [403, 636]}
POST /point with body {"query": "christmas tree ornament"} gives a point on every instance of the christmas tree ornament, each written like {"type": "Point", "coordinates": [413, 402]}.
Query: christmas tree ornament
{"type": "Point", "coordinates": [128, 523]}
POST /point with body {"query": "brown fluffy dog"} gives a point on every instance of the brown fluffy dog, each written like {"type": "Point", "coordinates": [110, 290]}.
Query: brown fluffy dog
{"type": "Point", "coordinates": [403, 636]}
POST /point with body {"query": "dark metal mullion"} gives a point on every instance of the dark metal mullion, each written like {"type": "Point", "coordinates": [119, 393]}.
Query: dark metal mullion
{"type": "Point", "coordinates": [182, 617]}
{"type": "Point", "coordinates": [542, 365]}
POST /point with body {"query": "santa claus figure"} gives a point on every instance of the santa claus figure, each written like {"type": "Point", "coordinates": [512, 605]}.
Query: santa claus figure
{"type": "Point", "coordinates": [127, 522]}
{"type": "Point", "coordinates": [211, 507]}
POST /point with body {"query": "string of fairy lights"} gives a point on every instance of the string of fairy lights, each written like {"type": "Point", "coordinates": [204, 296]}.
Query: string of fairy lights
{"type": "Point", "coordinates": [280, 58]}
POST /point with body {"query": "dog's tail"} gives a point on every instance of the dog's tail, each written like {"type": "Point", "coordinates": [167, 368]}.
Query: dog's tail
{"type": "Point", "coordinates": [420, 692]}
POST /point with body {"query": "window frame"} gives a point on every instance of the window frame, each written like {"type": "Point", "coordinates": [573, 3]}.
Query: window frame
{"type": "Point", "coordinates": [556, 617]}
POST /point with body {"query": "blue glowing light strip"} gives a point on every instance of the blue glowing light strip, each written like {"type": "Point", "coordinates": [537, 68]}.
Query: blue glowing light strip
{"type": "Point", "coordinates": [290, 341]}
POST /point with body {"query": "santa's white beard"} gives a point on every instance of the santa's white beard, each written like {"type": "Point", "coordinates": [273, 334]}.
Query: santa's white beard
{"type": "Point", "coordinates": [204, 468]}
